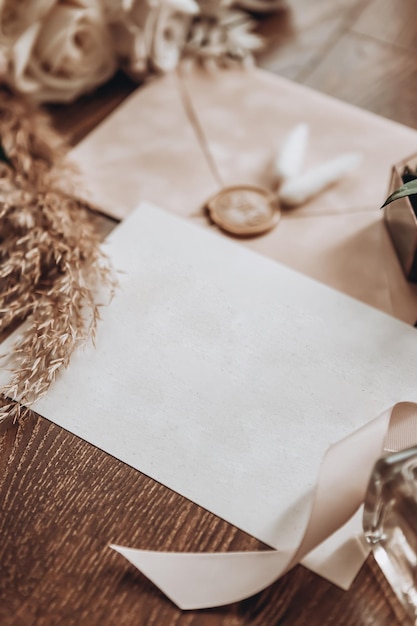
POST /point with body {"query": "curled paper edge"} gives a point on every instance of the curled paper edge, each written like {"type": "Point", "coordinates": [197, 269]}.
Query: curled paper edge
{"type": "Point", "coordinates": [206, 580]}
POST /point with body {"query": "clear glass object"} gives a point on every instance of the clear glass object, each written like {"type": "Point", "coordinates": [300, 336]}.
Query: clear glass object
{"type": "Point", "coordinates": [390, 523]}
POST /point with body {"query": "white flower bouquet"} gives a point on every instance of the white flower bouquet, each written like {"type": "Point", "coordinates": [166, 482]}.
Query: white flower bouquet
{"type": "Point", "coordinates": [55, 50]}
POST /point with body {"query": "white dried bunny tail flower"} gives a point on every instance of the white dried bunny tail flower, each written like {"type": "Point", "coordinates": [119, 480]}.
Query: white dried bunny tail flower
{"type": "Point", "coordinates": [291, 156]}
{"type": "Point", "coordinates": [298, 190]}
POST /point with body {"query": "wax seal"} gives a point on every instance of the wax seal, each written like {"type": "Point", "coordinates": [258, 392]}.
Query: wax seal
{"type": "Point", "coordinates": [244, 210]}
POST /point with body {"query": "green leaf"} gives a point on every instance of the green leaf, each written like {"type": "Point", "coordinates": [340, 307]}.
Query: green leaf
{"type": "Point", "coordinates": [409, 189]}
{"type": "Point", "coordinates": [4, 157]}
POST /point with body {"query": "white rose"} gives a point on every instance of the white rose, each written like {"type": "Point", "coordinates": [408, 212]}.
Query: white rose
{"type": "Point", "coordinates": [65, 52]}
{"type": "Point", "coordinates": [127, 20]}
{"type": "Point", "coordinates": [17, 16]}
{"type": "Point", "coordinates": [150, 32]}
{"type": "Point", "coordinates": [167, 30]}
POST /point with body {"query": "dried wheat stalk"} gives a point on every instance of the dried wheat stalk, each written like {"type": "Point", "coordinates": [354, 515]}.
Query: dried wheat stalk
{"type": "Point", "coordinates": [51, 267]}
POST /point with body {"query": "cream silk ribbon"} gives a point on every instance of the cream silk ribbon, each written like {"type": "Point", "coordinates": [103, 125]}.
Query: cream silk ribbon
{"type": "Point", "coordinates": [203, 580]}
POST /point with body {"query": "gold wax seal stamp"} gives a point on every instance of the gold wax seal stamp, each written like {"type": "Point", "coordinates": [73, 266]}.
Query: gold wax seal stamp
{"type": "Point", "coordinates": [244, 210]}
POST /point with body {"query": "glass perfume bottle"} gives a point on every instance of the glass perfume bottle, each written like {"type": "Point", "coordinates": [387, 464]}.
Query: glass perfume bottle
{"type": "Point", "coordinates": [390, 523]}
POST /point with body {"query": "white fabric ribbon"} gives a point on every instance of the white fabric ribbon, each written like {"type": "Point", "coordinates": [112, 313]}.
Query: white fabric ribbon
{"type": "Point", "coordinates": [203, 580]}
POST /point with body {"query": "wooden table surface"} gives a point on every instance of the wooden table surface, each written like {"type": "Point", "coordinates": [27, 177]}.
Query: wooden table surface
{"type": "Point", "coordinates": [63, 501]}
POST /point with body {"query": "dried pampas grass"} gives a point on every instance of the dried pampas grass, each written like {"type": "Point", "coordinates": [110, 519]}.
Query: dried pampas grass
{"type": "Point", "coordinates": [51, 267]}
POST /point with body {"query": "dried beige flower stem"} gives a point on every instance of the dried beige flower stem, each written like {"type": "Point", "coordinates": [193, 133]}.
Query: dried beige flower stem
{"type": "Point", "coordinates": [51, 267]}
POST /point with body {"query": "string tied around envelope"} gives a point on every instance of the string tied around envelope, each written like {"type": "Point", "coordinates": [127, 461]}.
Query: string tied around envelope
{"type": "Point", "coordinates": [249, 210]}
{"type": "Point", "coordinates": [204, 580]}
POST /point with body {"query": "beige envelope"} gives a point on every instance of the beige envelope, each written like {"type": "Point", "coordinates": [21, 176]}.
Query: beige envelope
{"type": "Point", "coordinates": [179, 139]}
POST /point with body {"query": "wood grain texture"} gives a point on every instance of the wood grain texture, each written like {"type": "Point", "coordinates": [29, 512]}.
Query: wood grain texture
{"type": "Point", "coordinates": [372, 62]}
{"type": "Point", "coordinates": [297, 40]}
{"type": "Point", "coordinates": [371, 75]}
{"type": "Point", "coordinates": [391, 22]}
{"type": "Point", "coordinates": [62, 501]}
